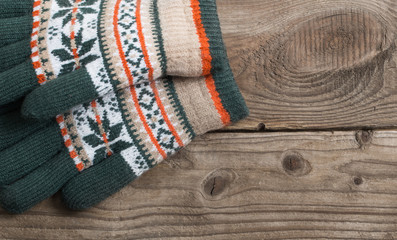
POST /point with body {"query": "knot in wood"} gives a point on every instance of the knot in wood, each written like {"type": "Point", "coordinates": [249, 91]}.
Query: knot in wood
{"type": "Point", "coordinates": [363, 137]}
{"type": "Point", "coordinates": [294, 164]}
{"type": "Point", "coordinates": [261, 127]}
{"type": "Point", "coordinates": [215, 186]}
{"type": "Point", "coordinates": [358, 180]}
{"type": "Point", "coordinates": [217, 183]}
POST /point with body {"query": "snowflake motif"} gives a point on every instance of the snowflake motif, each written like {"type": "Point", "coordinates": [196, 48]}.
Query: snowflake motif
{"type": "Point", "coordinates": [53, 32]}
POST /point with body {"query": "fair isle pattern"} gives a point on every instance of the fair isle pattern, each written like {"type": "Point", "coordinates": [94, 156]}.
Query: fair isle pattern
{"type": "Point", "coordinates": [126, 24]}
{"type": "Point", "coordinates": [73, 34]}
{"type": "Point", "coordinates": [122, 75]}
{"type": "Point", "coordinates": [42, 40]}
{"type": "Point", "coordinates": [136, 127]}
{"type": "Point", "coordinates": [111, 127]}
{"type": "Point", "coordinates": [38, 25]}
{"type": "Point", "coordinates": [68, 143]}
{"type": "Point", "coordinates": [166, 98]}
{"type": "Point", "coordinates": [101, 128]}
{"type": "Point", "coordinates": [77, 143]}
{"type": "Point", "coordinates": [143, 100]}
{"type": "Point", "coordinates": [69, 32]}
{"type": "Point", "coordinates": [147, 124]}
{"type": "Point", "coordinates": [151, 80]}
{"type": "Point", "coordinates": [72, 39]}
{"type": "Point", "coordinates": [37, 65]}
{"type": "Point", "coordinates": [121, 72]}
{"type": "Point", "coordinates": [42, 27]}
{"type": "Point", "coordinates": [141, 122]}
{"type": "Point", "coordinates": [151, 36]}
{"type": "Point", "coordinates": [119, 37]}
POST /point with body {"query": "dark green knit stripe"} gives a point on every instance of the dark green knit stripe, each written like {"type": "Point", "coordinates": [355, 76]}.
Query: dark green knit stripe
{"type": "Point", "coordinates": [15, 29]}
{"type": "Point", "coordinates": [121, 103]}
{"type": "Point", "coordinates": [14, 128]}
{"type": "Point", "coordinates": [11, 107]}
{"type": "Point", "coordinates": [60, 95]}
{"type": "Point", "coordinates": [15, 8]}
{"type": "Point", "coordinates": [229, 92]}
{"type": "Point", "coordinates": [17, 82]}
{"type": "Point", "coordinates": [99, 182]}
{"type": "Point", "coordinates": [38, 185]}
{"type": "Point", "coordinates": [25, 156]}
{"type": "Point", "coordinates": [176, 104]}
{"type": "Point", "coordinates": [158, 33]}
{"type": "Point", "coordinates": [14, 54]}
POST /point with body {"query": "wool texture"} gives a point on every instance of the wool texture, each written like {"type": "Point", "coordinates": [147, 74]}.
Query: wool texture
{"type": "Point", "coordinates": [79, 38]}
{"type": "Point", "coordinates": [139, 116]}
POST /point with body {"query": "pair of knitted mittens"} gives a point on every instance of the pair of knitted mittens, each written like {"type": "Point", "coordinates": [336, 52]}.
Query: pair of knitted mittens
{"type": "Point", "coordinates": [100, 91]}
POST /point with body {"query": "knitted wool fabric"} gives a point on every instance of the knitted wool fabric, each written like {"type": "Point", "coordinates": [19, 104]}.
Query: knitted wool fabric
{"type": "Point", "coordinates": [121, 135]}
{"type": "Point", "coordinates": [67, 46]}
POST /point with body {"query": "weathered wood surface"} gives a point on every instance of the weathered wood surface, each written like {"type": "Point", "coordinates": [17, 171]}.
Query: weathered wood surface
{"type": "Point", "coordinates": [319, 185]}
{"type": "Point", "coordinates": [306, 65]}
{"type": "Point", "coordinates": [309, 64]}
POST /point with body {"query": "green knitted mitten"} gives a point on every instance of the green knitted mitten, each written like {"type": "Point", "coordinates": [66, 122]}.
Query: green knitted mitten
{"type": "Point", "coordinates": [75, 48]}
{"type": "Point", "coordinates": [121, 135]}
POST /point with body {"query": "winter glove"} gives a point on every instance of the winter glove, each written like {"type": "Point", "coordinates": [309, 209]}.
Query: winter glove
{"type": "Point", "coordinates": [121, 135]}
{"type": "Point", "coordinates": [83, 49]}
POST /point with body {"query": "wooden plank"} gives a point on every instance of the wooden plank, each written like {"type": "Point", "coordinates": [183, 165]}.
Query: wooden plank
{"type": "Point", "coordinates": [302, 185]}
{"type": "Point", "coordinates": [309, 64]}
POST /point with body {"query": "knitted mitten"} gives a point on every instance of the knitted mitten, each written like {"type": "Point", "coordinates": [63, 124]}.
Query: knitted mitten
{"type": "Point", "coordinates": [125, 133]}
{"type": "Point", "coordinates": [82, 49]}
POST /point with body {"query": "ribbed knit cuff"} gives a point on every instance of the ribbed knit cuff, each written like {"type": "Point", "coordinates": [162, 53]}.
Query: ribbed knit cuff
{"type": "Point", "coordinates": [176, 37]}
{"type": "Point", "coordinates": [225, 83]}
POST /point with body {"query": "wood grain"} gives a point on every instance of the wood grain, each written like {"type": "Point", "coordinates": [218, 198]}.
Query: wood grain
{"type": "Point", "coordinates": [310, 64]}
{"type": "Point", "coordinates": [318, 185]}
{"type": "Point", "coordinates": [304, 66]}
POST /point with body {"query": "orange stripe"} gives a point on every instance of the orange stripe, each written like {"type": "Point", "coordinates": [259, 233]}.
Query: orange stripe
{"type": "Point", "coordinates": [99, 122]}
{"type": "Point", "coordinates": [75, 54]}
{"type": "Point", "coordinates": [98, 119]}
{"type": "Point", "coordinates": [204, 41]}
{"type": "Point", "coordinates": [68, 143]}
{"type": "Point", "coordinates": [93, 104]}
{"type": "Point", "coordinates": [36, 4]}
{"type": "Point", "coordinates": [105, 138]}
{"type": "Point", "coordinates": [64, 132]}
{"type": "Point", "coordinates": [41, 78]}
{"type": "Point", "coordinates": [152, 83]}
{"type": "Point", "coordinates": [225, 117]}
{"type": "Point", "coordinates": [59, 119]}
{"type": "Point", "coordinates": [36, 24]}
{"type": "Point", "coordinates": [33, 44]}
{"type": "Point", "coordinates": [73, 154]}
{"type": "Point", "coordinates": [35, 54]}
{"type": "Point", "coordinates": [36, 65]}
{"type": "Point", "coordinates": [72, 33]}
{"type": "Point", "coordinates": [130, 80]}
{"type": "Point", "coordinates": [206, 56]}
{"type": "Point", "coordinates": [80, 167]}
